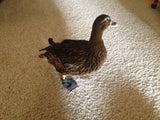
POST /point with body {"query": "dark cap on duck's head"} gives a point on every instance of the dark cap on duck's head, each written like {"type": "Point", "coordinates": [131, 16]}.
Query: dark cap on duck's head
{"type": "Point", "coordinates": [102, 22]}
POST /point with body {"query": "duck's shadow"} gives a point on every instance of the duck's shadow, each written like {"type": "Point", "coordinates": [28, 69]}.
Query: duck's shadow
{"type": "Point", "coordinates": [129, 104]}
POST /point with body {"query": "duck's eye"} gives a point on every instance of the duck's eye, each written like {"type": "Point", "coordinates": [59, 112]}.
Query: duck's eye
{"type": "Point", "coordinates": [105, 20]}
{"type": "Point", "coordinates": [108, 19]}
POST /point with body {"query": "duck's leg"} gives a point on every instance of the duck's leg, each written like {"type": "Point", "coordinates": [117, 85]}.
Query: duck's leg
{"type": "Point", "coordinates": [62, 76]}
{"type": "Point", "coordinates": [68, 83]}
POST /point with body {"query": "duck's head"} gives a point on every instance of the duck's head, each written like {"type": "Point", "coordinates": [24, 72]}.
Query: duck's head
{"type": "Point", "coordinates": [102, 22]}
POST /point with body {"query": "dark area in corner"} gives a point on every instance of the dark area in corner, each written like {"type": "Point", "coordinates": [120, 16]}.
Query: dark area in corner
{"type": "Point", "coordinates": [154, 5]}
{"type": "Point", "coordinates": [1, 1]}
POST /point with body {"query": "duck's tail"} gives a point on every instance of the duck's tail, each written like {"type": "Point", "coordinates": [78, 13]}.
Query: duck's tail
{"type": "Point", "coordinates": [51, 42]}
{"type": "Point", "coordinates": [49, 48]}
{"type": "Point", "coordinates": [46, 48]}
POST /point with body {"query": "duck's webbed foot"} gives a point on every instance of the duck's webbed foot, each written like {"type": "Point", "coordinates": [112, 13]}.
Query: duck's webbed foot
{"type": "Point", "coordinates": [68, 83]}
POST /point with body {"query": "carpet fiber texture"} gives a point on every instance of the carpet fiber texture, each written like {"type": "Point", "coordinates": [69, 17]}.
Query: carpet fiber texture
{"type": "Point", "coordinates": [127, 87]}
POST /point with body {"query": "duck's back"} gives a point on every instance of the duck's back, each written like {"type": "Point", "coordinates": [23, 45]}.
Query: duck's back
{"type": "Point", "coordinates": [71, 51]}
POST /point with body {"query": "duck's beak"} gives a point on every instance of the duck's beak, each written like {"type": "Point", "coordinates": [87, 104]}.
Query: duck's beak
{"type": "Point", "coordinates": [113, 24]}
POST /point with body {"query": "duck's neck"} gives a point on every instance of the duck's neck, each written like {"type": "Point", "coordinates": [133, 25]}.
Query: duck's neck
{"type": "Point", "coordinates": [96, 35]}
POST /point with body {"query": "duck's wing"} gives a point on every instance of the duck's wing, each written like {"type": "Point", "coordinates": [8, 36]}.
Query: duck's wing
{"type": "Point", "coordinates": [71, 51]}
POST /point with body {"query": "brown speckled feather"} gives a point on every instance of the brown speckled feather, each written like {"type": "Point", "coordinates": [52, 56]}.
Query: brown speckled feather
{"type": "Point", "coordinates": [77, 57]}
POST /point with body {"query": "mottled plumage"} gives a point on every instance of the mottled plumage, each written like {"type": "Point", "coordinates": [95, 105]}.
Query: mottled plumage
{"type": "Point", "coordinates": [78, 57]}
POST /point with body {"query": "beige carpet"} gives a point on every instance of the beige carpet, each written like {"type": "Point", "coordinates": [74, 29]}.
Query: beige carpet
{"type": "Point", "coordinates": [126, 88]}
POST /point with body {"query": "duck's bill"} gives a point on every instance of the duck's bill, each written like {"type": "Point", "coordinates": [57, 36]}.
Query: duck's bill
{"type": "Point", "coordinates": [113, 24]}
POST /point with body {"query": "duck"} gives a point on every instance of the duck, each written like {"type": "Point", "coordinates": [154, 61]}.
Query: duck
{"type": "Point", "coordinates": [79, 57]}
